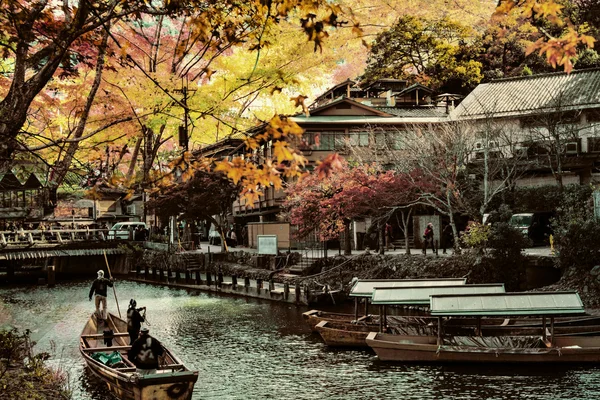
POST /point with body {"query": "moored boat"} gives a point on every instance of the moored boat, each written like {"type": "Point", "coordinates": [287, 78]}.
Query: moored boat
{"type": "Point", "coordinates": [172, 379]}
{"type": "Point", "coordinates": [362, 289]}
{"type": "Point", "coordinates": [544, 348]}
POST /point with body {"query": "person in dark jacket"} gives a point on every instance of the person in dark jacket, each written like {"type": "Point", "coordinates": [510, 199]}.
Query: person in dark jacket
{"type": "Point", "coordinates": [144, 353]}
{"type": "Point", "coordinates": [428, 238]}
{"type": "Point", "coordinates": [134, 320]}
{"type": "Point", "coordinates": [99, 286]}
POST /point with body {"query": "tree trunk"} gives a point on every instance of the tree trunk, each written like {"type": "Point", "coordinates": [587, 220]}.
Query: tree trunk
{"type": "Point", "coordinates": [381, 237]}
{"type": "Point", "coordinates": [134, 157]}
{"type": "Point", "coordinates": [347, 239]}
{"type": "Point", "coordinates": [24, 87]}
{"type": "Point", "coordinates": [62, 167]}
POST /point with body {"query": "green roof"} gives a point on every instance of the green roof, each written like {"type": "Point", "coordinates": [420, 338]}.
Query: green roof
{"type": "Point", "coordinates": [508, 304]}
{"type": "Point", "coordinates": [422, 295]}
{"type": "Point", "coordinates": [364, 287]}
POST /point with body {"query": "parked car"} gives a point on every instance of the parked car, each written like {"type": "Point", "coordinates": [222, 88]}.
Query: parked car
{"type": "Point", "coordinates": [536, 226]}
{"type": "Point", "coordinates": [122, 230]}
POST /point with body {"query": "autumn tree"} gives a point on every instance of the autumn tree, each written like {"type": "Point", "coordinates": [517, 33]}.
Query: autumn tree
{"type": "Point", "coordinates": [206, 196]}
{"type": "Point", "coordinates": [42, 39]}
{"type": "Point", "coordinates": [436, 53]}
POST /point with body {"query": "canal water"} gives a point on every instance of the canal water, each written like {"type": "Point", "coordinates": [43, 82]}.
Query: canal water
{"type": "Point", "coordinates": [250, 349]}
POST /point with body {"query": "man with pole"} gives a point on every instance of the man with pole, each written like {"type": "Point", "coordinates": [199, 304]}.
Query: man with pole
{"type": "Point", "coordinates": [99, 287]}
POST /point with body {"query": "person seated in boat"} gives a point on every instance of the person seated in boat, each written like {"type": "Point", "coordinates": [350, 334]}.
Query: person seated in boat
{"type": "Point", "coordinates": [144, 353]}
{"type": "Point", "coordinates": [134, 320]}
{"type": "Point", "coordinates": [99, 286]}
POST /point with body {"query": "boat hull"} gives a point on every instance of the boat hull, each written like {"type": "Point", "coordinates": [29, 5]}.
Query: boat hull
{"type": "Point", "coordinates": [174, 382]}
{"type": "Point", "coordinates": [407, 349]}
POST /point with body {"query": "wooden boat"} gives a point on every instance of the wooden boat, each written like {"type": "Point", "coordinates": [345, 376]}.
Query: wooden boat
{"type": "Point", "coordinates": [469, 349]}
{"type": "Point", "coordinates": [546, 348]}
{"type": "Point", "coordinates": [341, 330]}
{"type": "Point", "coordinates": [363, 289]}
{"type": "Point", "coordinates": [342, 334]}
{"type": "Point", "coordinates": [171, 381]}
{"type": "Point", "coordinates": [314, 317]}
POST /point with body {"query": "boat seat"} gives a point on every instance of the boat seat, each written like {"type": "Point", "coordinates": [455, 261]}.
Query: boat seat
{"type": "Point", "coordinates": [101, 335]}
{"type": "Point", "coordinates": [163, 367]}
{"type": "Point", "coordinates": [112, 348]}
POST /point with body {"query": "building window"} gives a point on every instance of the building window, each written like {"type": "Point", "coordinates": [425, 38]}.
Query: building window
{"type": "Point", "coordinates": [358, 139]}
{"type": "Point", "coordinates": [326, 140]}
{"type": "Point", "coordinates": [593, 145]}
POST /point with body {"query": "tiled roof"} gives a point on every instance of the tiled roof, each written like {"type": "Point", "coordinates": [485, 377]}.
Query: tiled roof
{"type": "Point", "coordinates": [532, 95]}
{"type": "Point", "coordinates": [416, 112]}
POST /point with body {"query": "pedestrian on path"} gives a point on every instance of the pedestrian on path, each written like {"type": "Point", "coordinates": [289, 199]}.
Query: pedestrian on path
{"type": "Point", "coordinates": [428, 238]}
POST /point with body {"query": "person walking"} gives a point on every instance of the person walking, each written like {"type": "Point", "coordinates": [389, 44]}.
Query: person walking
{"type": "Point", "coordinates": [134, 320]}
{"type": "Point", "coordinates": [428, 238]}
{"type": "Point", "coordinates": [388, 236]}
{"type": "Point", "coordinates": [99, 287]}
{"type": "Point", "coordinates": [144, 353]}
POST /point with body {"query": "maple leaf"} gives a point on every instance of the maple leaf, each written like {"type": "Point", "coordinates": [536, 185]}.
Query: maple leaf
{"type": "Point", "coordinates": [300, 101]}
{"type": "Point", "coordinates": [282, 151]}
{"type": "Point", "coordinates": [329, 164]}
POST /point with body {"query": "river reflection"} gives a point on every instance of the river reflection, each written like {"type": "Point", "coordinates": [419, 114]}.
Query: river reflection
{"type": "Point", "coordinates": [249, 349]}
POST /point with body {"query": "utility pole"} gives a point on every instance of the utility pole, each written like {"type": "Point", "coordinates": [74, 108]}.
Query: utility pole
{"type": "Point", "coordinates": [184, 129]}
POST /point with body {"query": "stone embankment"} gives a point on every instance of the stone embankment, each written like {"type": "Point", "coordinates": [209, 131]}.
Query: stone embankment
{"type": "Point", "coordinates": [246, 274]}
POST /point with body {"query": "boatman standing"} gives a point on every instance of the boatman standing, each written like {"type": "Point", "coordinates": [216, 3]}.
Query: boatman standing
{"type": "Point", "coordinates": [99, 286]}
{"type": "Point", "coordinates": [134, 320]}
{"type": "Point", "coordinates": [144, 353]}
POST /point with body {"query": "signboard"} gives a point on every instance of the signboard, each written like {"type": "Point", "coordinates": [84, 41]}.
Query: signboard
{"type": "Point", "coordinates": [267, 244]}
{"type": "Point", "coordinates": [596, 195]}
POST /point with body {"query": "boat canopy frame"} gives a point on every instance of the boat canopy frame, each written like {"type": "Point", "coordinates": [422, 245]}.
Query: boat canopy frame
{"type": "Point", "coordinates": [421, 296]}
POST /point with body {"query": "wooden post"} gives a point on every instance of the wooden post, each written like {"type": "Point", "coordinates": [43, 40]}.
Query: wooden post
{"type": "Point", "coordinates": [187, 276]}
{"type": "Point", "coordinates": [439, 333]}
{"type": "Point", "coordinates": [297, 289]}
{"type": "Point", "coordinates": [286, 290]}
{"type": "Point", "coordinates": [259, 285]}
{"type": "Point", "coordinates": [381, 319]}
{"type": "Point", "coordinates": [356, 308]}
{"type": "Point", "coordinates": [246, 283]}
{"type": "Point", "coordinates": [271, 286]}
{"type": "Point", "coordinates": [146, 272]}
{"type": "Point", "coordinates": [544, 336]}
{"type": "Point", "coordinates": [234, 281]}
{"type": "Point", "coordinates": [168, 275]}
{"type": "Point", "coordinates": [552, 331]}
{"type": "Point", "coordinates": [208, 278]}
{"type": "Point", "coordinates": [198, 280]}
{"type": "Point", "coordinates": [219, 278]}
{"type": "Point", "coordinates": [161, 274]}
{"type": "Point", "coordinates": [51, 275]}
{"type": "Point", "coordinates": [384, 317]}
{"type": "Point", "coordinates": [478, 326]}
{"type": "Point", "coordinates": [307, 294]}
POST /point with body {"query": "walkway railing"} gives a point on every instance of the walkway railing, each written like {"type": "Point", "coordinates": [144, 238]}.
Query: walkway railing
{"type": "Point", "coordinates": [50, 236]}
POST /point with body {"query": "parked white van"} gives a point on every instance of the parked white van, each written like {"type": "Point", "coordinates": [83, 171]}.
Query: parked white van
{"type": "Point", "coordinates": [121, 230]}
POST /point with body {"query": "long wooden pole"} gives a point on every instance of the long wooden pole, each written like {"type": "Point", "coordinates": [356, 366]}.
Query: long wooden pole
{"type": "Point", "coordinates": [114, 290]}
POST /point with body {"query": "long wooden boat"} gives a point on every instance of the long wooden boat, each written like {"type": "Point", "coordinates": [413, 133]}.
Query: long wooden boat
{"type": "Point", "coordinates": [546, 348]}
{"type": "Point", "coordinates": [345, 334]}
{"type": "Point", "coordinates": [172, 380]}
{"type": "Point", "coordinates": [363, 289]}
{"type": "Point", "coordinates": [342, 334]}
{"type": "Point", "coordinates": [314, 317]}
{"type": "Point", "coordinates": [469, 349]}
